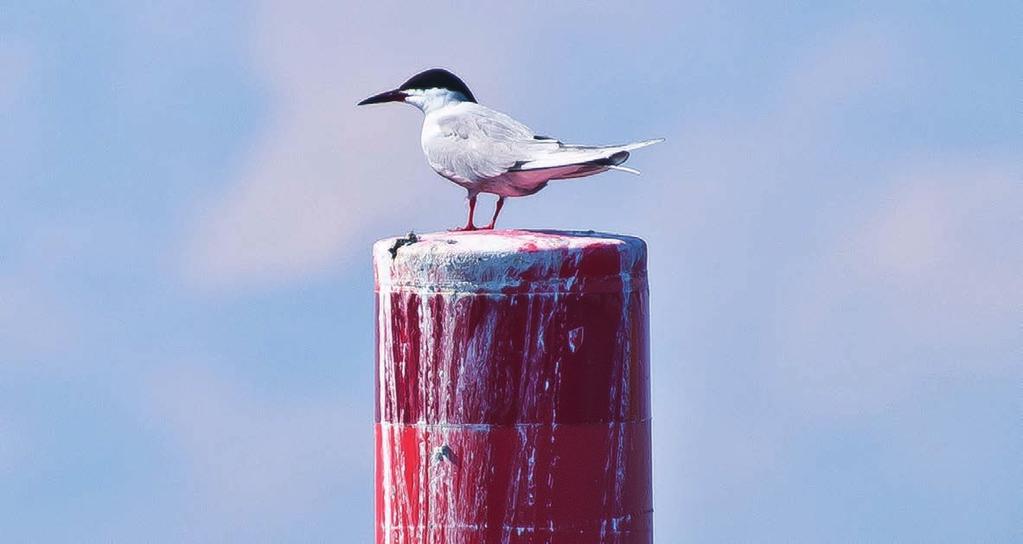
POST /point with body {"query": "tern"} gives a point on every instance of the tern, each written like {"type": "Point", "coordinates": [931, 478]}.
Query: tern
{"type": "Point", "coordinates": [486, 151]}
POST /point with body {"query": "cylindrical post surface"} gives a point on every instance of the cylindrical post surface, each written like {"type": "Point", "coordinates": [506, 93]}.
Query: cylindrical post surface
{"type": "Point", "coordinates": [512, 394]}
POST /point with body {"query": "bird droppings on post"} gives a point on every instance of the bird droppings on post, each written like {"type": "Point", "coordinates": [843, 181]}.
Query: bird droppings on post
{"type": "Point", "coordinates": [399, 242]}
{"type": "Point", "coordinates": [526, 353]}
{"type": "Point", "coordinates": [444, 453]}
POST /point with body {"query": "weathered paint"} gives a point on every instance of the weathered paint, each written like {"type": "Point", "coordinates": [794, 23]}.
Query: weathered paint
{"type": "Point", "coordinates": [512, 389]}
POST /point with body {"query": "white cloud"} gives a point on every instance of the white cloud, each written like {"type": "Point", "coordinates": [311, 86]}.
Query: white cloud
{"type": "Point", "coordinates": [857, 288]}
{"type": "Point", "coordinates": [923, 284]}
{"type": "Point", "coordinates": [258, 462]}
{"type": "Point", "coordinates": [312, 182]}
{"type": "Point", "coordinates": [848, 64]}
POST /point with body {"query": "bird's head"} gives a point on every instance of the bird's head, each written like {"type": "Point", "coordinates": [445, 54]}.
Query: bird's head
{"type": "Point", "coordinates": [427, 91]}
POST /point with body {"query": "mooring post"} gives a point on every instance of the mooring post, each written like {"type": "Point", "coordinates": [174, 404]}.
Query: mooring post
{"type": "Point", "coordinates": [512, 389]}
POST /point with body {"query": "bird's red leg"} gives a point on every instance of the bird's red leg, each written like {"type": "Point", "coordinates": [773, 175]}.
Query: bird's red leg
{"type": "Point", "coordinates": [469, 225]}
{"type": "Point", "coordinates": [497, 211]}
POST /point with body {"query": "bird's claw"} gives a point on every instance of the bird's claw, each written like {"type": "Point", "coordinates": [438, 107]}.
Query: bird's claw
{"type": "Point", "coordinates": [471, 228]}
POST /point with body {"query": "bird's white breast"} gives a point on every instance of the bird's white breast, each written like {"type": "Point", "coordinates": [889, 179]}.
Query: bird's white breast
{"type": "Point", "coordinates": [431, 133]}
{"type": "Point", "coordinates": [431, 136]}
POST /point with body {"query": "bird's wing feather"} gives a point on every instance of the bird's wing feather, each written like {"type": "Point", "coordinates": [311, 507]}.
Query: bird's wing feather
{"type": "Point", "coordinates": [477, 143]}
{"type": "Point", "coordinates": [474, 143]}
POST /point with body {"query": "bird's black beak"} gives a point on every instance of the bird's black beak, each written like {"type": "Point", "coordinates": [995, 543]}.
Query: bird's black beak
{"type": "Point", "coordinates": [388, 96]}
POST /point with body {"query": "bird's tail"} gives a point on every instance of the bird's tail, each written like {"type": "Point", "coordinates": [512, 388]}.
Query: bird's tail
{"type": "Point", "coordinates": [598, 156]}
{"type": "Point", "coordinates": [632, 171]}
{"type": "Point", "coordinates": [624, 147]}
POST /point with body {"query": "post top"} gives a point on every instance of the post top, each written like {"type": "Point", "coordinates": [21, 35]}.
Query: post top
{"type": "Point", "coordinates": [511, 261]}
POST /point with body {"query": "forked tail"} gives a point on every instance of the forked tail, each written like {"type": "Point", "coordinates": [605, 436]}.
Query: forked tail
{"type": "Point", "coordinates": [605, 156]}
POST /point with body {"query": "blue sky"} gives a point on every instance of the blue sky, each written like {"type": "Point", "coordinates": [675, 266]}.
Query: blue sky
{"type": "Point", "coordinates": [188, 197]}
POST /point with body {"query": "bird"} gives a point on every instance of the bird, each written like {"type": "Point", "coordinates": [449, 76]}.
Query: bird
{"type": "Point", "coordinates": [486, 151]}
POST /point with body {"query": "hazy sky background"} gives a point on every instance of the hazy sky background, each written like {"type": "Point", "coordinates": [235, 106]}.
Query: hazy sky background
{"type": "Point", "coordinates": [188, 196]}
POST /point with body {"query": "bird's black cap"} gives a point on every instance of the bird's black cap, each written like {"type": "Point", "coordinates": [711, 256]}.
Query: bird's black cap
{"type": "Point", "coordinates": [438, 78]}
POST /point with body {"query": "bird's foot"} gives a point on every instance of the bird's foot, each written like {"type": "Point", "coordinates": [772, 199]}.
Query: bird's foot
{"type": "Point", "coordinates": [488, 227]}
{"type": "Point", "coordinates": [466, 228]}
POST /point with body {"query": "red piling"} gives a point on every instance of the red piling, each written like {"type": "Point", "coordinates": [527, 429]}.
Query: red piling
{"type": "Point", "coordinates": [512, 389]}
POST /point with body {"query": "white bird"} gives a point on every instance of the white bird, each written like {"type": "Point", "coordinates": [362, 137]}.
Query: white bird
{"type": "Point", "coordinates": [486, 151]}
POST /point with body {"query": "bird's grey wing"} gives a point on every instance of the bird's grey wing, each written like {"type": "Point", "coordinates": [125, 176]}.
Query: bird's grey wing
{"type": "Point", "coordinates": [477, 143]}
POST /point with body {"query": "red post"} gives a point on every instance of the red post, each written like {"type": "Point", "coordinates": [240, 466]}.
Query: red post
{"type": "Point", "coordinates": [512, 389]}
